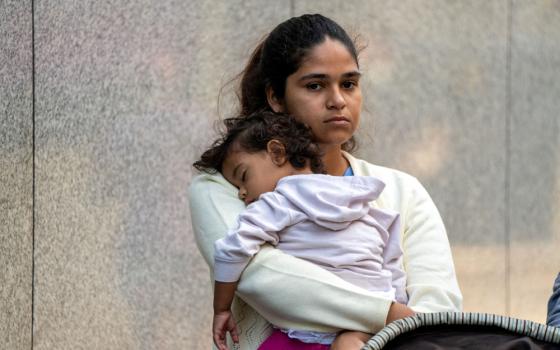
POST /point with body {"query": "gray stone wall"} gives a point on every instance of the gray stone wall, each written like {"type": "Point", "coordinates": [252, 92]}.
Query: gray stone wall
{"type": "Point", "coordinates": [104, 106]}
{"type": "Point", "coordinates": [16, 174]}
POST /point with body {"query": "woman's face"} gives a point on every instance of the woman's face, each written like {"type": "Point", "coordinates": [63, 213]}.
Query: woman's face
{"type": "Point", "coordinates": [325, 94]}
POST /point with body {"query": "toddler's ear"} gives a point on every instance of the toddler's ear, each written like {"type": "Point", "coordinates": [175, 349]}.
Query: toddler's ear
{"type": "Point", "coordinates": [277, 152]}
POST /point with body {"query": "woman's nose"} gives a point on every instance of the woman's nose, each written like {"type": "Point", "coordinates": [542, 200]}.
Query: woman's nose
{"type": "Point", "coordinates": [336, 100]}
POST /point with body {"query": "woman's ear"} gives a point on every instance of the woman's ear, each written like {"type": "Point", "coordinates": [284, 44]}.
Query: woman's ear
{"type": "Point", "coordinates": [273, 101]}
{"type": "Point", "coordinates": [277, 152]}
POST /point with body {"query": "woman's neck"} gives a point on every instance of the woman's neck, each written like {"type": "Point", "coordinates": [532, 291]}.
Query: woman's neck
{"type": "Point", "coordinates": [334, 161]}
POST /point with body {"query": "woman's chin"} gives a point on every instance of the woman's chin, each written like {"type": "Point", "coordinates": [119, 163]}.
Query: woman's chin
{"type": "Point", "coordinates": [332, 143]}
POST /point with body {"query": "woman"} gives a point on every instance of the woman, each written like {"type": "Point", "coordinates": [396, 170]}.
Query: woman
{"type": "Point", "coordinates": [308, 67]}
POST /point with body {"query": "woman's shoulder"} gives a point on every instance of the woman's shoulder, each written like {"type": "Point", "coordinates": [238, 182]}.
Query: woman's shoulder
{"type": "Point", "coordinates": [213, 203]}
{"type": "Point", "coordinates": [203, 182]}
{"type": "Point", "coordinates": [400, 188]}
{"type": "Point", "coordinates": [213, 187]}
{"type": "Point", "coordinates": [391, 177]}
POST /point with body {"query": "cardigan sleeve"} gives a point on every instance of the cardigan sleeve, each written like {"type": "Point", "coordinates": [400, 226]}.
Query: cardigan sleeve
{"type": "Point", "coordinates": [287, 291]}
{"type": "Point", "coordinates": [431, 281]}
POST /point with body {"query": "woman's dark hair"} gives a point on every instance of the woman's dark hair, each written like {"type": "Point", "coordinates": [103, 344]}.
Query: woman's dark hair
{"type": "Point", "coordinates": [280, 54]}
{"type": "Point", "coordinates": [252, 134]}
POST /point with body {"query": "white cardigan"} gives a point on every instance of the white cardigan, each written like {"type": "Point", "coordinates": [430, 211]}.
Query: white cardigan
{"type": "Point", "coordinates": [318, 300]}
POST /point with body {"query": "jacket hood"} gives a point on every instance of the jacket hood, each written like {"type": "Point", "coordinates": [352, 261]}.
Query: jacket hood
{"type": "Point", "coordinates": [332, 202]}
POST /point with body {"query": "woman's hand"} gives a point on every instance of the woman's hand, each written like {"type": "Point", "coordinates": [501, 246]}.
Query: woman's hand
{"type": "Point", "coordinates": [350, 340]}
{"type": "Point", "coordinates": [223, 322]}
{"type": "Point", "coordinates": [398, 311]}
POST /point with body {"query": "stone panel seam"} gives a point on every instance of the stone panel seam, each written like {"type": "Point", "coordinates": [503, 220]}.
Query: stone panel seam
{"type": "Point", "coordinates": [508, 108]}
{"type": "Point", "coordinates": [33, 171]}
{"type": "Point", "coordinates": [292, 8]}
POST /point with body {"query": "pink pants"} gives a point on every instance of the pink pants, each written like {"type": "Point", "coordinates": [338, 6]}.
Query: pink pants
{"type": "Point", "coordinates": [280, 341]}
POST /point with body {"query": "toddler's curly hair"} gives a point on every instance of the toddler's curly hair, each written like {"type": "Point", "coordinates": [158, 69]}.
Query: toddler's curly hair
{"type": "Point", "coordinates": [253, 133]}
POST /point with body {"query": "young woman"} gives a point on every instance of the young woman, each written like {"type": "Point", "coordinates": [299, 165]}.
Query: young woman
{"type": "Point", "coordinates": [327, 220]}
{"type": "Point", "coordinates": [308, 67]}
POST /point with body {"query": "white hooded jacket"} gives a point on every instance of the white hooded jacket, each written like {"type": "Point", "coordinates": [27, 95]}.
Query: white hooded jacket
{"type": "Point", "coordinates": [326, 220]}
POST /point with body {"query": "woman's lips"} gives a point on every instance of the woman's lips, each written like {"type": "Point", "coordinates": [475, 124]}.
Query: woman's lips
{"type": "Point", "coordinates": [339, 120]}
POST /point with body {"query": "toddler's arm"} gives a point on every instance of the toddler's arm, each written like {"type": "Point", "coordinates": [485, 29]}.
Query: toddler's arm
{"type": "Point", "coordinates": [223, 319]}
{"type": "Point", "coordinates": [260, 223]}
{"type": "Point", "coordinates": [318, 299]}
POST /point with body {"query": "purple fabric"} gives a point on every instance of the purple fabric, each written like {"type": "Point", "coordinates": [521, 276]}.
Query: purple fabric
{"type": "Point", "coordinates": [280, 341]}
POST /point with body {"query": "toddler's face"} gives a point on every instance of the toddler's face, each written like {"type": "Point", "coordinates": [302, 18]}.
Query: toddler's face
{"type": "Point", "coordinates": [253, 173]}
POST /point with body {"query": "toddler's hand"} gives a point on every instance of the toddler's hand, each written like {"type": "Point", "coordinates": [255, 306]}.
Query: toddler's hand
{"type": "Point", "coordinates": [223, 323]}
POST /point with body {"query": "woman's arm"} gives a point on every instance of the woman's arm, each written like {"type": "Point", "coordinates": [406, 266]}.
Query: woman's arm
{"type": "Point", "coordinates": [431, 281]}
{"type": "Point", "coordinates": [289, 292]}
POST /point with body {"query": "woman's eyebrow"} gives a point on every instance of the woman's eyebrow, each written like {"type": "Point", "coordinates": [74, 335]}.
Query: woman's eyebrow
{"type": "Point", "coordinates": [321, 76]}
{"type": "Point", "coordinates": [352, 74]}
{"type": "Point", "coordinates": [314, 76]}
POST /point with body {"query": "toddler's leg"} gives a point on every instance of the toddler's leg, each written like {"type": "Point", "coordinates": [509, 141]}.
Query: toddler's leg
{"type": "Point", "coordinates": [280, 341]}
{"type": "Point", "coordinates": [350, 340]}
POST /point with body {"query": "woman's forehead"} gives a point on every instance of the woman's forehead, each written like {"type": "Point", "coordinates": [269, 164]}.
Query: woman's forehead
{"type": "Point", "coordinates": [330, 55]}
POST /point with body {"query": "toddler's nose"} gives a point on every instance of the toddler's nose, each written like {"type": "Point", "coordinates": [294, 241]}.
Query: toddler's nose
{"type": "Point", "coordinates": [242, 194]}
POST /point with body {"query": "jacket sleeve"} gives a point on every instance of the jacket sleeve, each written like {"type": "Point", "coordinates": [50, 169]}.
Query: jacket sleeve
{"type": "Point", "coordinates": [287, 291]}
{"type": "Point", "coordinates": [258, 224]}
{"type": "Point", "coordinates": [392, 261]}
{"type": "Point", "coordinates": [431, 281]}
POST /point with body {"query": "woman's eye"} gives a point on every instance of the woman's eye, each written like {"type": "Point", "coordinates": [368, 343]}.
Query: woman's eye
{"type": "Point", "coordinates": [313, 86]}
{"type": "Point", "coordinates": [349, 84]}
